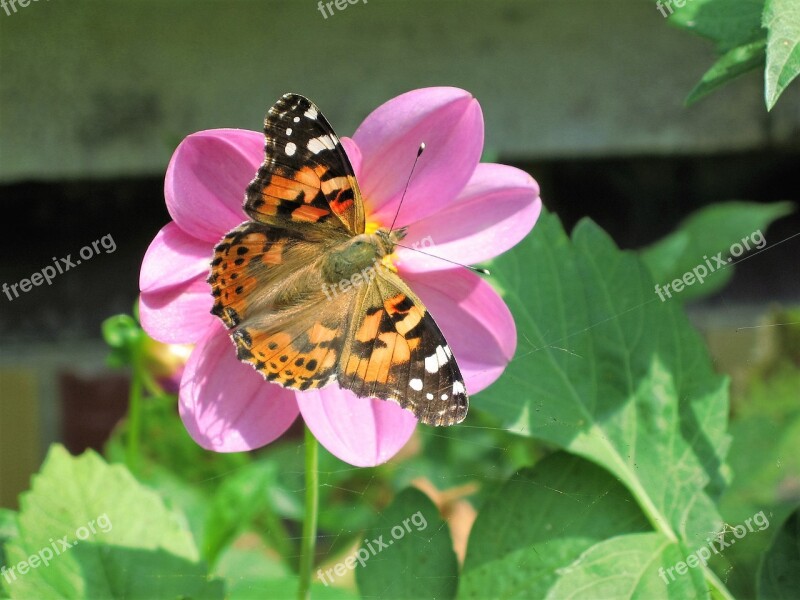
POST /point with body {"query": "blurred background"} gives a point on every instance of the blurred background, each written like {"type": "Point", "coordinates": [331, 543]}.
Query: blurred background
{"type": "Point", "coordinates": [587, 96]}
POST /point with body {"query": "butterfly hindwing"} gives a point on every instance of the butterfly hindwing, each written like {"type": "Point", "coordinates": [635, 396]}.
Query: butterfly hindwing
{"type": "Point", "coordinates": [395, 351]}
{"type": "Point", "coordinates": [306, 179]}
{"type": "Point", "coordinates": [268, 291]}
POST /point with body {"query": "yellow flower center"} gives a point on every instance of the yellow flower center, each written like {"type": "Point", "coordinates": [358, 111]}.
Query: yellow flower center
{"type": "Point", "coordinates": [388, 260]}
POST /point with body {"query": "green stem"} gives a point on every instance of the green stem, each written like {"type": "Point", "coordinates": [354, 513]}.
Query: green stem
{"type": "Point", "coordinates": [309, 541]}
{"type": "Point", "coordinates": [132, 451]}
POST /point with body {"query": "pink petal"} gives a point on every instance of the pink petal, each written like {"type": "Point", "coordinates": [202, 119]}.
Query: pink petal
{"type": "Point", "coordinates": [475, 321]}
{"type": "Point", "coordinates": [207, 177]}
{"type": "Point", "coordinates": [363, 432]}
{"type": "Point", "coordinates": [174, 258]}
{"type": "Point", "coordinates": [450, 123]}
{"type": "Point", "coordinates": [179, 314]}
{"type": "Point", "coordinates": [225, 404]}
{"type": "Point", "coordinates": [494, 212]}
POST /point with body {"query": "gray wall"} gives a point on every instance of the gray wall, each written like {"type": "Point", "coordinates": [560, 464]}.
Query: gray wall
{"type": "Point", "coordinates": [106, 88]}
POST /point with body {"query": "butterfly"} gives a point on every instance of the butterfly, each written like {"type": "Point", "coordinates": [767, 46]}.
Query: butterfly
{"type": "Point", "coordinates": [311, 299]}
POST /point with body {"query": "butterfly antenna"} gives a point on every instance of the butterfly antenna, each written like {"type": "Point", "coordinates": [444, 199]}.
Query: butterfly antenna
{"type": "Point", "coordinates": [419, 153]}
{"type": "Point", "coordinates": [475, 269]}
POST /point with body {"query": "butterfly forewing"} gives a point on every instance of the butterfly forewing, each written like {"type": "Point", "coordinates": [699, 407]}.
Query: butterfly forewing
{"type": "Point", "coordinates": [306, 178]}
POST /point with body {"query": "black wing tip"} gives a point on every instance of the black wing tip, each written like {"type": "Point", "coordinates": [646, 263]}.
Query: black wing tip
{"type": "Point", "coordinates": [453, 414]}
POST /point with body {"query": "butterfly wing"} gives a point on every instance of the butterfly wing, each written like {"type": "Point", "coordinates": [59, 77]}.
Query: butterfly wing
{"type": "Point", "coordinates": [376, 339]}
{"type": "Point", "coordinates": [394, 350]}
{"type": "Point", "coordinates": [306, 182]}
{"type": "Point", "coordinates": [268, 291]}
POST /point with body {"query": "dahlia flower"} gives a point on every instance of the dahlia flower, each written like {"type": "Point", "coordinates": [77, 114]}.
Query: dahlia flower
{"type": "Point", "coordinates": [471, 212]}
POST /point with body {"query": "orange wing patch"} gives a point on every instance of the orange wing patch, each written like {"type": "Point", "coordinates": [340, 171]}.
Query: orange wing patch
{"type": "Point", "coordinates": [232, 276]}
{"type": "Point", "coordinates": [303, 361]}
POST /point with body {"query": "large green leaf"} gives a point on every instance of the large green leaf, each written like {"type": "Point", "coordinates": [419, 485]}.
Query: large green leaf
{"type": "Point", "coordinates": [705, 233]}
{"type": "Point", "coordinates": [541, 533]}
{"type": "Point", "coordinates": [408, 553]}
{"type": "Point", "coordinates": [123, 541]}
{"type": "Point", "coordinates": [782, 20]}
{"type": "Point", "coordinates": [607, 371]}
{"type": "Point", "coordinates": [638, 566]}
{"type": "Point", "coordinates": [779, 573]}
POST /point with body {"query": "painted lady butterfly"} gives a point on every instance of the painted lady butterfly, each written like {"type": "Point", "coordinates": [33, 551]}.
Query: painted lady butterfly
{"type": "Point", "coordinates": [270, 275]}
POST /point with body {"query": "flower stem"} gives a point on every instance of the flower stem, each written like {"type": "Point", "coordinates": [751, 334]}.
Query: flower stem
{"type": "Point", "coordinates": [134, 414]}
{"type": "Point", "coordinates": [309, 540]}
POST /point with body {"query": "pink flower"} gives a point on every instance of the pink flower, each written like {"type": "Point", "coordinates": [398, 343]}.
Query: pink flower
{"type": "Point", "coordinates": [471, 211]}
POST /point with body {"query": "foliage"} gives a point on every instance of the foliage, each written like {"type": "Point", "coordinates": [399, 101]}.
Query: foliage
{"type": "Point", "coordinates": [600, 460]}
{"type": "Point", "coordinates": [748, 34]}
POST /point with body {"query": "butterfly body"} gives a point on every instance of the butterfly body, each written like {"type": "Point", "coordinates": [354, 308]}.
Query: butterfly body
{"type": "Point", "coordinates": [310, 298]}
{"type": "Point", "coordinates": [359, 253]}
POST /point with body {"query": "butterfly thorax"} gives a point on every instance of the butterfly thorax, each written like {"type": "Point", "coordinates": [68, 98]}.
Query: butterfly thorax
{"type": "Point", "coordinates": [359, 253]}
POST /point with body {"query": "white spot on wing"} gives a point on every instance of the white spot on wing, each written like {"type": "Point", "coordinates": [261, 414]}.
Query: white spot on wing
{"type": "Point", "coordinates": [458, 388]}
{"type": "Point", "coordinates": [444, 396]}
{"type": "Point", "coordinates": [448, 352]}
{"type": "Point", "coordinates": [289, 131]}
{"type": "Point", "coordinates": [429, 396]}
{"type": "Point", "coordinates": [291, 148]}
{"type": "Point", "coordinates": [311, 113]}
{"type": "Point", "coordinates": [431, 363]}
{"type": "Point", "coordinates": [442, 355]}
{"type": "Point", "coordinates": [415, 384]}
{"type": "Point", "coordinates": [296, 119]}
{"type": "Point", "coordinates": [323, 142]}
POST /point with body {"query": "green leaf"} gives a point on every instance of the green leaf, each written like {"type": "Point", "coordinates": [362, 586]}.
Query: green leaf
{"type": "Point", "coordinates": [639, 566]}
{"type": "Point", "coordinates": [765, 463]}
{"type": "Point", "coordinates": [703, 234]}
{"type": "Point", "coordinates": [8, 530]}
{"type": "Point", "coordinates": [418, 560]}
{"type": "Point", "coordinates": [240, 498]}
{"type": "Point", "coordinates": [782, 20]}
{"type": "Point", "coordinates": [123, 542]}
{"type": "Point", "coordinates": [252, 574]}
{"type": "Point", "coordinates": [544, 517]}
{"type": "Point", "coordinates": [779, 572]}
{"type": "Point", "coordinates": [728, 23]}
{"type": "Point", "coordinates": [123, 335]}
{"type": "Point", "coordinates": [568, 522]}
{"type": "Point", "coordinates": [607, 371]}
{"type": "Point", "coordinates": [730, 65]}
